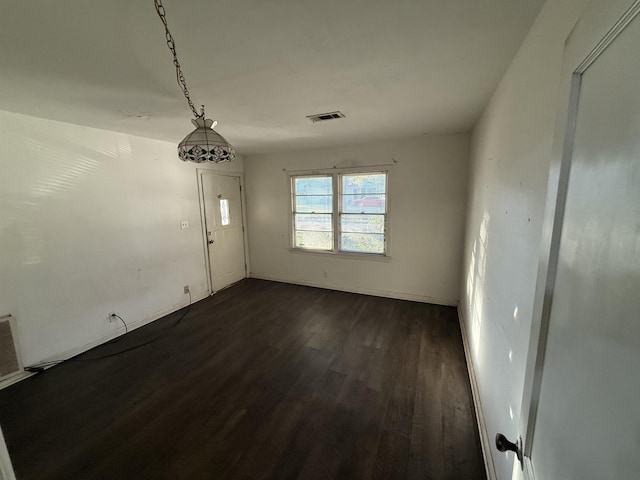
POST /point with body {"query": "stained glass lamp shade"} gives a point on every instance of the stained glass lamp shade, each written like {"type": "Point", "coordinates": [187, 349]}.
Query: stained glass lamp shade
{"type": "Point", "coordinates": [204, 144]}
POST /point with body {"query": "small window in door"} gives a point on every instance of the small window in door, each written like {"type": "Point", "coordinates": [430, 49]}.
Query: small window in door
{"type": "Point", "coordinates": [224, 211]}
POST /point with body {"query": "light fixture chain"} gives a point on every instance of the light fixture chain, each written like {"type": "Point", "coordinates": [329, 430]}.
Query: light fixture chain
{"type": "Point", "coordinates": [172, 46]}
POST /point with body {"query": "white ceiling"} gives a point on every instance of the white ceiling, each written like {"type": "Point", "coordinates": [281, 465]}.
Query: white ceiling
{"type": "Point", "coordinates": [394, 68]}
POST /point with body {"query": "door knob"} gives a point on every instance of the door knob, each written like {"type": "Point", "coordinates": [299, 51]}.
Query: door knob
{"type": "Point", "coordinates": [211, 241]}
{"type": "Point", "coordinates": [504, 445]}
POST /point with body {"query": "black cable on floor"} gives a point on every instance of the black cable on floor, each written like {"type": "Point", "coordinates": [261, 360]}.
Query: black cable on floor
{"type": "Point", "coordinates": [40, 367]}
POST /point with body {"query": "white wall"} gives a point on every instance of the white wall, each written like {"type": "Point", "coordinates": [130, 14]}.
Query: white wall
{"type": "Point", "coordinates": [427, 201]}
{"type": "Point", "coordinates": [510, 157]}
{"type": "Point", "coordinates": [90, 223]}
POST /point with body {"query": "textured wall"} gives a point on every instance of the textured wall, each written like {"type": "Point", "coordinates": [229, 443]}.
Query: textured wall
{"type": "Point", "coordinates": [510, 157]}
{"type": "Point", "coordinates": [90, 223]}
{"type": "Point", "coordinates": [427, 202]}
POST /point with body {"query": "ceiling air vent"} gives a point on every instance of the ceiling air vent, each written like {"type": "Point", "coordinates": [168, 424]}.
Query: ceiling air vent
{"type": "Point", "coordinates": [321, 117]}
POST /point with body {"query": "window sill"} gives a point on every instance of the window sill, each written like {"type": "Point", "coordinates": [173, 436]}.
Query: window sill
{"type": "Point", "coordinates": [376, 257]}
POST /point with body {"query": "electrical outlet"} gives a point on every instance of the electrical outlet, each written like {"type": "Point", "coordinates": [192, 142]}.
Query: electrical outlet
{"type": "Point", "coordinates": [186, 289]}
{"type": "Point", "coordinates": [112, 317]}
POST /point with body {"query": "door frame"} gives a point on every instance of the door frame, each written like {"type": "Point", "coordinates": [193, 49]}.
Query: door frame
{"type": "Point", "coordinates": [588, 40]}
{"type": "Point", "coordinates": [201, 172]}
{"type": "Point", "coordinates": [6, 469]}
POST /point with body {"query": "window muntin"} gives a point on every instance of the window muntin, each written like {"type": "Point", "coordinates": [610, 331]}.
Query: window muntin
{"type": "Point", "coordinates": [358, 212]}
{"type": "Point", "coordinates": [313, 212]}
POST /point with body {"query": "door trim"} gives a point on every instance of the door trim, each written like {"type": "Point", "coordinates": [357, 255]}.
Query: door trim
{"type": "Point", "coordinates": [201, 172]}
{"type": "Point", "coordinates": [580, 53]}
{"type": "Point", "coordinates": [6, 469]}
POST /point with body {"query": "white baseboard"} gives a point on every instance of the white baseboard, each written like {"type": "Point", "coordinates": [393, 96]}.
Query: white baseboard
{"type": "Point", "coordinates": [72, 352]}
{"type": "Point", "coordinates": [485, 441]}
{"type": "Point", "coordinates": [14, 379]}
{"type": "Point", "coordinates": [365, 291]}
{"type": "Point", "coordinates": [161, 313]}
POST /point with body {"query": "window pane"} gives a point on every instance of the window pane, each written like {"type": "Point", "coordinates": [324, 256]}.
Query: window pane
{"type": "Point", "coordinates": [313, 222]}
{"type": "Point", "coordinates": [362, 242]}
{"type": "Point", "coordinates": [314, 240]}
{"type": "Point", "coordinates": [364, 203]}
{"type": "Point", "coordinates": [313, 185]}
{"type": "Point", "coordinates": [314, 203]}
{"type": "Point", "coordinates": [224, 211]}
{"type": "Point", "coordinates": [364, 183]}
{"type": "Point", "coordinates": [362, 223]}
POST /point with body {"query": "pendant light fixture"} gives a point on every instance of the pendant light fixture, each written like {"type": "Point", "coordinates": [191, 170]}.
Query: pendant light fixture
{"type": "Point", "coordinates": [204, 144]}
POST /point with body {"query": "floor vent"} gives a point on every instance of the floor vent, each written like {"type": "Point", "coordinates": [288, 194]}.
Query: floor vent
{"type": "Point", "coordinates": [322, 117]}
{"type": "Point", "coordinates": [9, 360]}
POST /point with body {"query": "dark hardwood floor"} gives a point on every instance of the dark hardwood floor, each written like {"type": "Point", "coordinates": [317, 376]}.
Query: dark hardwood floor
{"type": "Point", "coordinates": [263, 380]}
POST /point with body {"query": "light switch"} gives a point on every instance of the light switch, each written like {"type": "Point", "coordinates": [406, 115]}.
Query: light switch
{"type": "Point", "coordinates": [184, 224]}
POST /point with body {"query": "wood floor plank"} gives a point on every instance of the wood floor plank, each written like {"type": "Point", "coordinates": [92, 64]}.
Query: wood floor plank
{"type": "Point", "coordinates": [264, 380]}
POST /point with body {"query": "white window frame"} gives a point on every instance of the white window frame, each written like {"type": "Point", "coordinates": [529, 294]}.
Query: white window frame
{"type": "Point", "coordinates": [336, 213]}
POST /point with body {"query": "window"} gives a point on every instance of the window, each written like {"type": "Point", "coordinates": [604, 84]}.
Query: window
{"type": "Point", "coordinates": [224, 212]}
{"type": "Point", "coordinates": [363, 212]}
{"type": "Point", "coordinates": [340, 212]}
{"type": "Point", "coordinates": [313, 212]}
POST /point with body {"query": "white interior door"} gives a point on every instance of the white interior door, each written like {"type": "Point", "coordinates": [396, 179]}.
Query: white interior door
{"type": "Point", "coordinates": [224, 230]}
{"type": "Point", "coordinates": [586, 403]}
